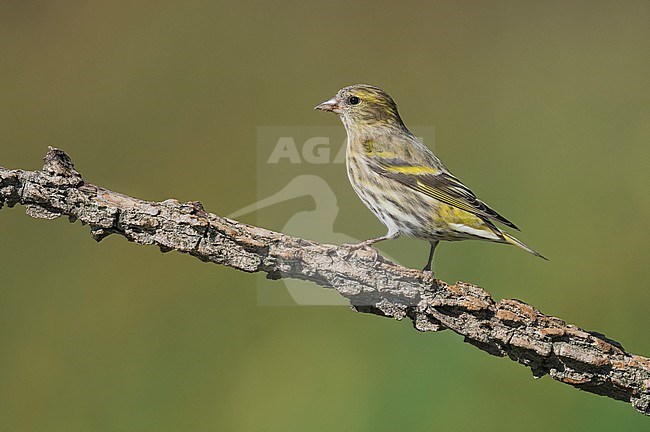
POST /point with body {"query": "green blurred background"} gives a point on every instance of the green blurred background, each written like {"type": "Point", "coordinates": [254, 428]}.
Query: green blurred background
{"type": "Point", "coordinates": [541, 107]}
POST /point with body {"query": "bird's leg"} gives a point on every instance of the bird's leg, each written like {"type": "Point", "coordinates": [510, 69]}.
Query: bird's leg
{"type": "Point", "coordinates": [434, 244]}
{"type": "Point", "coordinates": [368, 243]}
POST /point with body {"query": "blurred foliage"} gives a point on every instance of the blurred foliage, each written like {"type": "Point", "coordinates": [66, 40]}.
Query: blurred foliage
{"type": "Point", "coordinates": [541, 107]}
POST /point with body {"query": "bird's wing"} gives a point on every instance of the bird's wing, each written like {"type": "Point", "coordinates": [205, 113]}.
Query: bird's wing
{"type": "Point", "coordinates": [437, 184]}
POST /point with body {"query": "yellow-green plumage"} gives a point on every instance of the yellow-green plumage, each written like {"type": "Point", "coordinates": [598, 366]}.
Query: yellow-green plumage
{"type": "Point", "coordinates": [402, 182]}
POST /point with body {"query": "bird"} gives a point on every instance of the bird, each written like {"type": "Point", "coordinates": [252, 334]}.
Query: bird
{"type": "Point", "coordinates": [403, 183]}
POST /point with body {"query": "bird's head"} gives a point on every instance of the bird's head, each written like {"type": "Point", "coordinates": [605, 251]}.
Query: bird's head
{"type": "Point", "coordinates": [363, 105]}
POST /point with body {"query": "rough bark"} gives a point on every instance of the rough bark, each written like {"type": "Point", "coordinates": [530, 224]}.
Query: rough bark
{"type": "Point", "coordinates": [547, 345]}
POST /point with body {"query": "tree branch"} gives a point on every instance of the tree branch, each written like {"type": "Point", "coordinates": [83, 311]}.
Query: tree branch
{"type": "Point", "coordinates": [547, 345]}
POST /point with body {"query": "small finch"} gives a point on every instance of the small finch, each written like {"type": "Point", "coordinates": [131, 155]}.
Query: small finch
{"type": "Point", "coordinates": [402, 182]}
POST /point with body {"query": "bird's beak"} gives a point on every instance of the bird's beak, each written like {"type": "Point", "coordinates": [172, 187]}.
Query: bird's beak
{"type": "Point", "coordinates": [330, 105]}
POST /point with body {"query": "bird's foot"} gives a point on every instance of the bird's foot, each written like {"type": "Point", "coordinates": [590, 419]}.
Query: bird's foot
{"type": "Point", "coordinates": [357, 246]}
{"type": "Point", "coordinates": [430, 275]}
{"type": "Point", "coordinates": [428, 270]}
{"type": "Point", "coordinates": [365, 245]}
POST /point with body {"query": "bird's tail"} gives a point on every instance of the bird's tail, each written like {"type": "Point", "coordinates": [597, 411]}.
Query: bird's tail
{"type": "Point", "coordinates": [513, 241]}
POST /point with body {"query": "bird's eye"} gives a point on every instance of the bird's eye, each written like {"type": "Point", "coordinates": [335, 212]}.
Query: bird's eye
{"type": "Point", "coordinates": [353, 100]}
